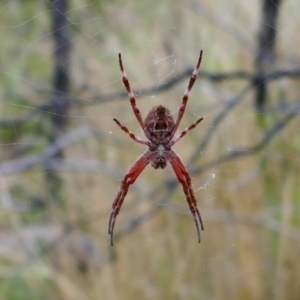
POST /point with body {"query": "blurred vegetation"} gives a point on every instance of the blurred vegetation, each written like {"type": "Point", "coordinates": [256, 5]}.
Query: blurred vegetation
{"type": "Point", "coordinates": [250, 205]}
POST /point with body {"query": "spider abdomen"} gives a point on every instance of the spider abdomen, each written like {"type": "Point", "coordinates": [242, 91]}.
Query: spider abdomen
{"type": "Point", "coordinates": [159, 160]}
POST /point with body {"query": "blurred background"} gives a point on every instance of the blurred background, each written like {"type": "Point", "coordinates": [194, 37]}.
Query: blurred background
{"type": "Point", "coordinates": [63, 157]}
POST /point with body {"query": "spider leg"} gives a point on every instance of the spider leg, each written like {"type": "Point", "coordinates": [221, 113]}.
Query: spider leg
{"type": "Point", "coordinates": [186, 182]}
{"type": "Point", "coordinates": [185, 131]}
{"type": "Point", "coordinates": [128, 179]}
{"type": "Point", "coordinates": [136, 139]}
{"type": "Point", "coordinates": [186, 95]}
{"type": "Point", "coordinates": [130, 94]}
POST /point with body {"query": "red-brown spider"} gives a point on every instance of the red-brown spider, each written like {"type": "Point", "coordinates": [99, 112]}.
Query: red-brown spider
{"type": "Point", "coordinates": [159, 129]}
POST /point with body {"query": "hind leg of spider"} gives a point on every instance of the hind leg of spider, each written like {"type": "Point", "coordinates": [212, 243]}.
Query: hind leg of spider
{"type": "Point", "coordinates": [185, 180]}
{"type": "Point", "coordinates": [128, 179]}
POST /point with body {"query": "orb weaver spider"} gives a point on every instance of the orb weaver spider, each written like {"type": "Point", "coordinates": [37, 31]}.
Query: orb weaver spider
{"type": "Point", "coordinates": [159, 129]}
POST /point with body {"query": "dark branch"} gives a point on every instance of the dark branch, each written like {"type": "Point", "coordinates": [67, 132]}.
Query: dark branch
{"type": "Point", "coordinates": [121, 95]}
{"type": "Point", "coordinates": [238, 75]}
{"type": "Point", "coordinates": [265, 57]}
{"type": "Point", "coordinates": [61, 78]}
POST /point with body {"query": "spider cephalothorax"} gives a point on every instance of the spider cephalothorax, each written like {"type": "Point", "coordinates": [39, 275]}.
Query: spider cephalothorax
{"type": "Point", "coordinates": [159, 123]}
{"type": "Point", "coordinates": [159, 128]}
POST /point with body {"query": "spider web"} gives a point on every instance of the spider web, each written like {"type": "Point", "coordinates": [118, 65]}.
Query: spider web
{"type": "Point", "coordinates": [57, 186]}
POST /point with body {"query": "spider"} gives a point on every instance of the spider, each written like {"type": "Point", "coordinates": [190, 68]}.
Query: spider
{"type": "Point", "coordinates": [159, 129]}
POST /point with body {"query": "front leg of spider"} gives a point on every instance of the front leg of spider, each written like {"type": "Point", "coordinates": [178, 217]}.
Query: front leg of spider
{"type": "Point", "coordinates": [159, 128]}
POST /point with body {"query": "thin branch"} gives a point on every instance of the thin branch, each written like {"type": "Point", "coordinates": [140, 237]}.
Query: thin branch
{"type": "Point", "coordinates": [121, 95]}
{"type": "Point", "coordinates": [237, 75]}
{"type": "Point", "coordinates": [216, 122]}
{"type": "Point", "coordinates": [82, 166]}
{"type": "Point", "coordinates": [11, 122]}
{"type": "Point", "coordinates": [236, 153]}
{"type": "Point", "coordinates": [19, 165]}
{"type": "Point", "coordinates": [22, 164]}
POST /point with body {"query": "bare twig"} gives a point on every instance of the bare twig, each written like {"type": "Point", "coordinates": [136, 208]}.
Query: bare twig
{"type": "Point", "coordinates": [214, 126]}
{"type": "Point", "coordinates": [251, 150]}
{"type": "Point", "coordinates": [120, 96]}
{"type": "Point", "coordinates": [82, 166]}
{"type": "Point", "coordinates": [7, 123]}
{"type": "Point", "coordinates": [22, 164]}
{"type": "Point", "coordinates": [237, 75]}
